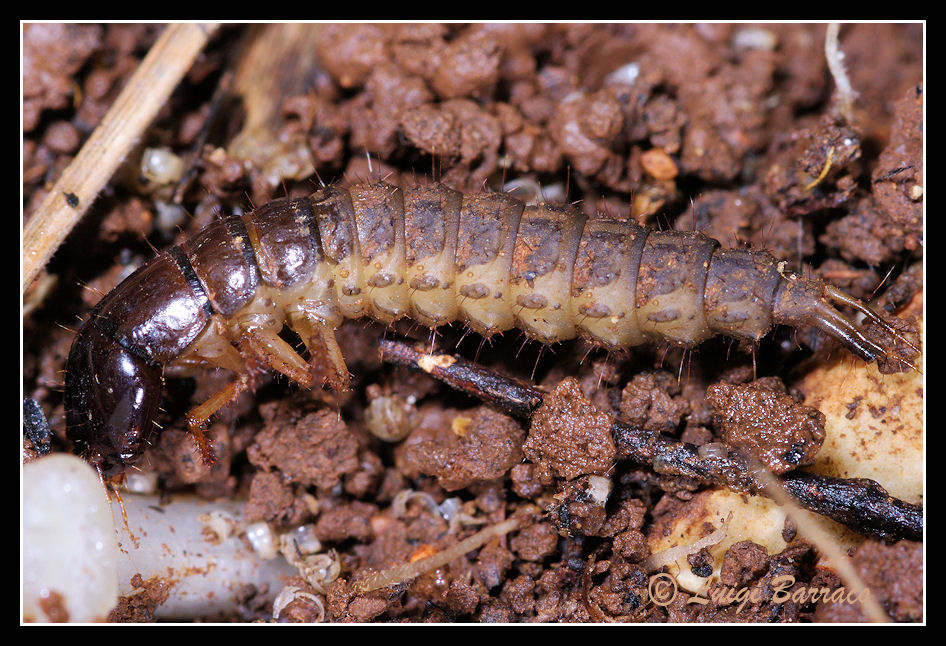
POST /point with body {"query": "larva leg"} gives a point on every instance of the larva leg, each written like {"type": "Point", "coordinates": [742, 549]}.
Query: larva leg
{"type": "Point", "coordinates": [197, 417]}
{"type": "Point", "coordinates": [326, 364]}
{"type": "Point", "coordinates": [211, 348]}
{"type": "Point", "coordinates": [259, 346]}
{"type": "Point", "coordinates": [267, 347]}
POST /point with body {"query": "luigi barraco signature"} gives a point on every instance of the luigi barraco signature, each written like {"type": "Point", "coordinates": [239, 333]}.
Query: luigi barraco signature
{"type": "Point", "coordinates": [662, 589]}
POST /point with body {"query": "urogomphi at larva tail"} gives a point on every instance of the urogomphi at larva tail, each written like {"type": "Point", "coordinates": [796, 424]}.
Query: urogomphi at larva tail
{"type": "Point", "coordinates": [426, 252]}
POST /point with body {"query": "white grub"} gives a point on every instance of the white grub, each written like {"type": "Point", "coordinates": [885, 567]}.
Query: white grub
{"type": "Point", "coordinates": [390, 418]}
{"type": "Point", "coordinates": [161, 166]}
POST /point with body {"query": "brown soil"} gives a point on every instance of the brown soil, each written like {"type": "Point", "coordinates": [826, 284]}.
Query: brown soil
{"type": "Point", "coordinates": [731, 129]}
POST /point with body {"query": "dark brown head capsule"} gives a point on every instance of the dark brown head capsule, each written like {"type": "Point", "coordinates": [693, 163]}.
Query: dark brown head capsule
{"type": "Point", "coordinates": [113, 376]}
{"type": "Point", "coordinates": [112, 397]}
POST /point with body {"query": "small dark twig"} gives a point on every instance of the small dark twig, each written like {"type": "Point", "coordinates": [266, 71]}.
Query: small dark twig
{"type": "Point", "coordinates": [859, 503]}
{"type": "Point", "coordinates": [510, 396]}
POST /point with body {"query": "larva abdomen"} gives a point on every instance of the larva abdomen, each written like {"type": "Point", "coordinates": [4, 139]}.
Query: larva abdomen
{"type": "Point", "coordinates": [487, 259]}
{"type": "Point", "coordinates": [427, 252]}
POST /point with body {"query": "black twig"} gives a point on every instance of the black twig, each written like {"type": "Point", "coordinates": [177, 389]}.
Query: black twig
{"type": "Point", "coordinates": [859, 503]}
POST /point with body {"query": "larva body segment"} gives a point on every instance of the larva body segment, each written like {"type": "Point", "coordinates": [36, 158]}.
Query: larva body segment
{"type": "Point", "coordinates": [542, 269]}
{"type": "Point", "coordinates": [431, 225]}
{"type": "Point", "coordinates": [427, 252]}
{"type": "Point", "coordinates": [485, 243]}
{"type": "Point", "coordinates": [335, 219]}
{"type": "Point", "coordinates": [606, 270]}
{"type": "Point", "coordinates": [739, 294]}
{"type": "Point", "coordinates": [379, 220]}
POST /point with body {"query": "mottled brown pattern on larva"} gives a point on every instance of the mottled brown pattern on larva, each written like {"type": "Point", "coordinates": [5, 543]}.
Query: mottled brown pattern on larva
{"type": "Point", "coordinates": [536, 251]}
{"type": "Point", "coordinates": [377, 210]}
{"type": "Point", "coordinates": [487, 221]}
{"type": "Point", "coordinates": [670, 286]}
{"type": "Point", "coordinates": [336, 220]}
{"type": "Point", "coordinates": [603, 278]}
{"type": "Point", "coordinates": [426, 252]}
{"type": "Point", "coordinates": [541, 276]}
{"type": "Point", "coordinates": [424, 222]}
{"type": "Point", "coordinates": [741, 298]}
{"type": "Point", "coordinates": [597, 265]}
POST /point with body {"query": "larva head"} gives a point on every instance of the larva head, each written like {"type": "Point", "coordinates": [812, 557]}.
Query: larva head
{"type": "Point", "coordinates": [111, 399]}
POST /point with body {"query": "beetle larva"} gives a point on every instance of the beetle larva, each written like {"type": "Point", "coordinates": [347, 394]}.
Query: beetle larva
{"type": "Point", "coordinates": [429, 253]}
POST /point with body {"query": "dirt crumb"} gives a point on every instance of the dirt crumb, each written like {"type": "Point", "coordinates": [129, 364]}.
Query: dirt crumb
{"type": "Point", "coordinates": [271, 499]}
{"type": "Point", "coordinates": [492, 563]}
{"type": "Point", "coordinates": [744, 561]}
{"type": "Point", "coordinates": [897, 180]}
{"type": "Point", "coordinates": [579, 507]}
{"type": "Point", "coordinates": [140, 605]}
{"type": "Point", "coordinates": [317, 450]}
{"type": "Point", "coordinates": [768, 425]}
{"type": "Point", "coordinates": [569, 437]}
{"type": "Point", "coordinates": [468, 66]}
{"type": "Point", "coordinates": [52, 53]}
{"type": "Point", "coordinates": [346, 521]}
{"type": "Point", "coordinates": [345, 606]}
{"type": "Point", "coordinates": [652, 401]}
{"type": "Point", "coordinates": [480, 445]}
{"type": "Point", "coordinates": [535, 542]}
